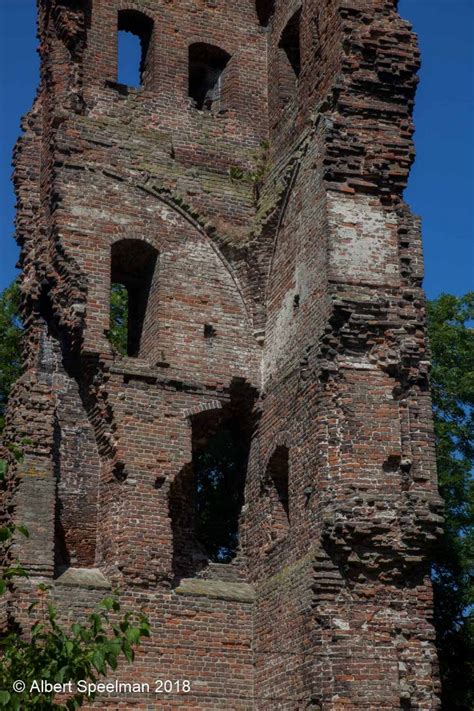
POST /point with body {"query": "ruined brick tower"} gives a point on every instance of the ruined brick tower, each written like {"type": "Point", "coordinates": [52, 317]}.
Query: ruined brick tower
{"type": "Point", "coordinates": [247, 200]}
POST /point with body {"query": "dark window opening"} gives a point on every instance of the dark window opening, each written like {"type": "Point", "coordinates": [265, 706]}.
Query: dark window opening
{"type": "Point", "coordinates": [206, 498]}
{"type": "Point", "coordinates": [134, 48]}
{"type": "Point", "coordinates": [289, 58]}
{"type": "Point", "coordinates": [118, 331]}
{"type": "Point", "coordinates": [132, 272]}
{"type": "Point", "coordinates": [276, 488]}
{"type": "Point", "coordinates": [207, 66]}
{"type": "Point", "coordinates": [265, 10]}
{"type": "Point", "coordinates": [219, 465]}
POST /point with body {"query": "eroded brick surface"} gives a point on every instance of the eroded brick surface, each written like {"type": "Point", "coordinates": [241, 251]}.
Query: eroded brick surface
{"type": "Point", "coordinates": [283, 291]}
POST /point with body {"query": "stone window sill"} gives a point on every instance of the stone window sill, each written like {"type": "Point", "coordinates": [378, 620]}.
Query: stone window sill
{"type": "Point", "coordinates": [83, 578]}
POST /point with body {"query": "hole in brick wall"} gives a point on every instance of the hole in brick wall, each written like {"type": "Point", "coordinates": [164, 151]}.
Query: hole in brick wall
{"type": "Point", "coordinates": [159, 481]}
{"type": "Point", "coordinates": [392, 464]}
{"type": "Point", "coordinates": [133, 266]}
{"type": "Point", "coordinates": [289, 59]}
{"type": "Point", "coordinates": [207, 65]}
{"type": "Point", "coordinates": [119, 471]}
{"type": "Point", "coordinates": [265, 10]}
{"type": "Point", "coordinates": [135, 32]}
{"type": "Point", "coordinates": [209, 331]}
{"type": "Point", "coordinates": [207, 496]}
{"type": "Point", "coordinates": [277, 494]}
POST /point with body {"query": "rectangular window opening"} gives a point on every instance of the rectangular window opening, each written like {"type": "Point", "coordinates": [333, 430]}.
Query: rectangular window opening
{"type": "Point", "coordinates": [134, 41]}
{"type": "Point", "coordinates": [207, 496]}
{"type": "Point", "coordinates": [207, 65]}
{"type": "Point", "coordinates": [132, 280]}
{"type": "Point", "coordinates": [289, 59]}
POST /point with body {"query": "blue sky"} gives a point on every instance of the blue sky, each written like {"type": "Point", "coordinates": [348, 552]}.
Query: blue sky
{"type": "Point", "coordinates": [441, 187]}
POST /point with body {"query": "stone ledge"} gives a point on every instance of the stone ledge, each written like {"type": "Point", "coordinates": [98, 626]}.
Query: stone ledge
{"type": "Point", "coordinates": [216, 589]}
{"type": "Point", "coordinates": [83, 578]}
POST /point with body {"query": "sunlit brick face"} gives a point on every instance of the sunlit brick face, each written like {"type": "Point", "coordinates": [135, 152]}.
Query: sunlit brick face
{"type": "Point", "coordinates": [226, 396]}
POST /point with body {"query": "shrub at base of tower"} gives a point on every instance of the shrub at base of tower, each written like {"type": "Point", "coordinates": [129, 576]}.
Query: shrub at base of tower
{"type": "Point", "coordinates": [47, 650]}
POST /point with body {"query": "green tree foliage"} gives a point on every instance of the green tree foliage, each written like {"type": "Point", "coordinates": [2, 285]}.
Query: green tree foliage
{"type": "Point", "coordinates": [220, 473]}
{"type": "Point", "coordinates": [10, 343]}
{"type": "Point", "coordinates": [452, 345]}
{"type": "Point", "coordinates": [118, 331]}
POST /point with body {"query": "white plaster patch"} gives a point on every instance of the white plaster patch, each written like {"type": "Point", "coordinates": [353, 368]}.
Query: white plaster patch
{"type": "Point", "coordinates": [94, 213]}
{"type": "Point", "coordinates": [363, 243]}
{"type": "Point", "coordinates": [282, 331]}
{"type": "Point", "coordinates": [284, 327]}
{"type": "Point", "coordinates": [341, 624]}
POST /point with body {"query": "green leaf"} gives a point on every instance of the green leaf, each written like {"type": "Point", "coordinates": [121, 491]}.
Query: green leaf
{"type": "Point", "coordinates": [114, 647]}
{"type": "Point", "coordinates": [24, 531]}
{"type": "Point", "coordinates": [98, 661]}
{"type": "Point", "coordinates": [16, 571]}
{"type": "Point", "coordinates": [107, 603]}
{"type": "Point", "coordinates": [5, 533]}
{"type": "Point", "coordinates": [133, 635]}
{"type": "Point", "coordinates": [127, 651]}
{"type": "Point", "coordinates": [4, 698]}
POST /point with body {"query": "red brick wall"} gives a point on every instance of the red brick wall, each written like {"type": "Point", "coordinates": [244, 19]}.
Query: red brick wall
{"type": "Point", "coordinates": [283, 228]}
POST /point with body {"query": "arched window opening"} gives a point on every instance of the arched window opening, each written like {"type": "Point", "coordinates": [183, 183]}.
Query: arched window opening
{"type": "Point", "coordinates": [135, 32]}
{"type": "Point", "coordinates": [207, 69]}
{"type": "Point", "coordinates": [206, 498]}
{"type": "Point", "coordinates": [265, 10]}
{"type": "Point", "coordinates": [276, 487]}
{"type": "Point", "coordinates": [219, 463]}
{"type": "Point", "coordinates": [289, 59]}
{"type": "Point", "coordinates": [133, 284]}
{"type": "Point", "coordinates": [76, 463]}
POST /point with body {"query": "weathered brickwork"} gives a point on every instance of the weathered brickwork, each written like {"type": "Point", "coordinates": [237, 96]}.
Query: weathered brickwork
{"type": "Point", "coordinates": [249, 195]}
